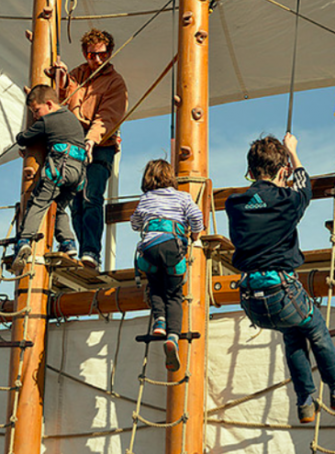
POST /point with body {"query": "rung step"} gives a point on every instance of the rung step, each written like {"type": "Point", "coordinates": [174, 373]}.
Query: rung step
{"type": "Point", "coordinates": [16, 344]}
{"type": "Point", "coordinates": [8, 241]}
{"type": "Point", "coordinates": [149, 338]}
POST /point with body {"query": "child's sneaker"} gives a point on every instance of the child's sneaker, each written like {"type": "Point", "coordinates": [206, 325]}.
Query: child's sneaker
{"type": "Point", "coordinates": [172, 362]}
{"type": "Point", "coordinates": [307, 412]}
{"type": "Point", "coordinates": [159, 328]}
{"type": "Point", "coordinates": [90, 259]}
{"type": "Point", "coordinates": [68, 247]}
{"type": "Point", "coordinates": [22, 252]}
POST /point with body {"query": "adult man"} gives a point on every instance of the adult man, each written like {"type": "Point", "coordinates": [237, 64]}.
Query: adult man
{"type": "Point", "coordinates": [263, 228]}
{"type": "Point", "coordinates": [99, 105]}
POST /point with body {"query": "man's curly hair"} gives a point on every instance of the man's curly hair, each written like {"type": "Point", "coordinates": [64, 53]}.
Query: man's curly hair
{"type": "Point", "coordinates": [95, 36]}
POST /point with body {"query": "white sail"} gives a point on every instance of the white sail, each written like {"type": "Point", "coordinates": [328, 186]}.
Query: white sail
{"type": "Point", "coordinates": [81, 419]}
{"type": "Point", "coordinates": [251, 47]}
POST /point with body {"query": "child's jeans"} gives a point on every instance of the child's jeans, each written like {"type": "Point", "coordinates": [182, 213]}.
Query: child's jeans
{"type": "Point", "coordinates": [277, 311]}
{"type": "Point", "coordinates": [166, 291]}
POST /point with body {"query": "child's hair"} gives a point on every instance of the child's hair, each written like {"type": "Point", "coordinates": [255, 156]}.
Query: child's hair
{"type": "Point", "coordinates": [41, 94]}
{"type": "Point", "coordinates": [266, 156]}
{"type": "Point", "coordinates": [158, 174]}
{"type": "Point", "coordinates": [95, 36]}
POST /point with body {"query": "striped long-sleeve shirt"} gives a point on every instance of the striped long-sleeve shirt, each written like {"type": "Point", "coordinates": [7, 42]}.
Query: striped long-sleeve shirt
{"type": "Point", "coordinates": [170, 204]}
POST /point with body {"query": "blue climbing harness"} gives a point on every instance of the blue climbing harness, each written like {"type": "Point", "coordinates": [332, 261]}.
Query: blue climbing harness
{"type": "Point", "coordinates": [172, 230]}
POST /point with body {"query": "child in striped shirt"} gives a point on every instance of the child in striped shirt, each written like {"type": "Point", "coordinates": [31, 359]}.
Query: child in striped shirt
{"type": "Point", "coordinates": [163, 216]}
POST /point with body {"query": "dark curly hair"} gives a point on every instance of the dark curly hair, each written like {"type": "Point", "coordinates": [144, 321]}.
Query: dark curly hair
{"type": "Point", "coordinates": [95, 36]}
{"type": "Point", "coordinates": [266, 156]}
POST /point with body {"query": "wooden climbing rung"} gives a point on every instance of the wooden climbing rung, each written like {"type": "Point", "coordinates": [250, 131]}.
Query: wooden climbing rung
{"type": "Point", "coordinates": [8, 241]}
{"type": "Point", "coordinates": [219, 242]}
{"type": "Point", "coordinates": [150, 338]}
{"type": "Point", "coordinates": [16, 344]}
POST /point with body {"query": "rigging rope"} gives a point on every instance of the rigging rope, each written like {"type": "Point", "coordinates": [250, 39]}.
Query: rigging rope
{"type": "Point", "coordinates": [290, 108]}
{"type": "Point", "coordinates": [314, 445]}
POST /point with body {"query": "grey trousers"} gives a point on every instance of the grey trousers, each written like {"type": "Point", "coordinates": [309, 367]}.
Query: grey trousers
{"type": "Point", "coordinates": [48, 191]}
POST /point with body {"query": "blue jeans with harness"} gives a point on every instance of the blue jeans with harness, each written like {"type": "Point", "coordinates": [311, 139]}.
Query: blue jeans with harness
{"type": "Point", "coordinates": [62, 176]}
{"type": "Point", "coordinates": [163, 260]}
{"type": "Point", "coordinates": [277, 300]}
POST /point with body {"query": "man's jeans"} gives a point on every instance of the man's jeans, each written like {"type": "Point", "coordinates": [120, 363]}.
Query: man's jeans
{"type": "Point", "coordinates": [278, 312]}
{"type": "Point", "coordinates": [87, 214]}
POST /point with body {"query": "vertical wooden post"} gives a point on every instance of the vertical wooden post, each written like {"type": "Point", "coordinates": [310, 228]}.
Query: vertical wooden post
{"type": "Point", "coordinates": [192, 152]}
{"type": "Point", "coordinates": [28, 427]}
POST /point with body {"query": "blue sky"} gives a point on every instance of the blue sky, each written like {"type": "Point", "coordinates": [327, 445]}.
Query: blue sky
{"type": "Point", "coordinates": [231, 129]}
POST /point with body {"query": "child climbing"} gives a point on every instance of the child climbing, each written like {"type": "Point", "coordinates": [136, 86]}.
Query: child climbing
{"type": "Point", "coordinates": [163, 216]}
{"type": "Point", "coordinates": [263, 228]}
{"type": "Point", "coordinates": [62, 175]}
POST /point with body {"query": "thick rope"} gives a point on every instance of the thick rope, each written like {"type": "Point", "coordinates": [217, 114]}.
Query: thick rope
{"type": "Point", "coordinates": [102, 433]}
{"type": "Point", "coordinates": [207, 315]}
{"type": "Point", "coordinates": [164, 425]}
{"type": "Point", "coordinates": [254, 425]}
{"type": "Point", "coordinates": [140, 391]}
{"type": "Point", "coordinates": [290, 108]}
{"type": "Point", "coordinates": [112, 379]}
{"type": "Point", "coordinates": [104, 391]}
{"type": "Point", "coordinates": [315, 447]}
{"type": "Point", "coordinates": [140, 101]}
{"type": "Point", "coordinates": [164, 383]}
{"type": "Point", "coordinates": [90, 17]}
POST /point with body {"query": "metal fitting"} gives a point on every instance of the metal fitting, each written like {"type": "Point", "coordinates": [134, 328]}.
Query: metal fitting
{"type": "Point", "coordinates": [200, 36]}
{"type": "Point", "coordinates": [185, 153]}
{"type": "Point", "coordinates": [187, 18]}
{"type": "Point", "coordinates": [197, 113]}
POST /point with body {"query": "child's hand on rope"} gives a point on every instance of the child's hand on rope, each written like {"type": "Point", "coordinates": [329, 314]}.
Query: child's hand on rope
{"type": "Point", "coordinates": [290, 141]}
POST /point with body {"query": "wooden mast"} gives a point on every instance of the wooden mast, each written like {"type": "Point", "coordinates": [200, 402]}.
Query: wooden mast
{"type": "Point", "coordinates": [192, 151]}
{"type": "Point", "coordinates": [28, 427]}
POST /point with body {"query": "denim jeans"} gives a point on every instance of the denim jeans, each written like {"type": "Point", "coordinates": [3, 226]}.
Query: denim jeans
{"type": "Point", "coordinates": [277, 311]}
{"type": "Point", "coordinates": [87, 214]}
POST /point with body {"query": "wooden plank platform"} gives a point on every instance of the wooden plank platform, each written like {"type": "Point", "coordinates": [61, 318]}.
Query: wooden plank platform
{"type": "Point", "coordinates": [71, 275]}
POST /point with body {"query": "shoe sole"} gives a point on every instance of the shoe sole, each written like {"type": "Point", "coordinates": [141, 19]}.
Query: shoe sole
{"type": "Point", "coordinates": [90, 262]}
{"type": "Point", "coordinates": [172, 362]}
{"type": "Point", "coordinates": [21, 259]}
{"type": "Point", "coordinates": [311, 418]}
{"type": "Point", "coordinates": [71, 253]}
{"type": "Point", "coordinates": [159, 332]}
{"type": "Point", "coordinates": [307, 420]}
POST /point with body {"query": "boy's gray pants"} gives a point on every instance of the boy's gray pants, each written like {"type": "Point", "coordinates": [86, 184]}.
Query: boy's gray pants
{"type": "Point", "coordinates": [46, 192]}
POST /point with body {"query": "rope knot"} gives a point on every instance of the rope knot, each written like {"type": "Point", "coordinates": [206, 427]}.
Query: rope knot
{"type": "Point", "coordinates": [135, 417]}
{"type": "Point", "coordinates": [18, 384]}
{"type": "Point", "coordinates": [141, 378]}
{"type": "Point", "coordinates": [13, 420]}
{"type": "Point", "coordinates": [185, 418]}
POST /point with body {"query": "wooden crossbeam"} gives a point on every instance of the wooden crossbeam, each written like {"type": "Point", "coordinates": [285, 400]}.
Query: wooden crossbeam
{"type": "Point", "coordinates": [121, 212]}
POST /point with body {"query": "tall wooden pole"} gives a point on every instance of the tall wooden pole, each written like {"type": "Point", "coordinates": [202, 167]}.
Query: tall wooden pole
{"type": "Point", "coordinates": [26, 435]}
{"type": "Point", "coordinates": [192, 161]}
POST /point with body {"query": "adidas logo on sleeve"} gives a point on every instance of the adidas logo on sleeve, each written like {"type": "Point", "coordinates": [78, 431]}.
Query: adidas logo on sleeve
{"type": "Point", "coordinates": [255, 203]}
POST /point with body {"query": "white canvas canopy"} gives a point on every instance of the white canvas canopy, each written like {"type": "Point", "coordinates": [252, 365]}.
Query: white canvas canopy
{"type": "Point", "coordinates": [83, 419]}
{"type": "Point", "coordinates": [251, 48]}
